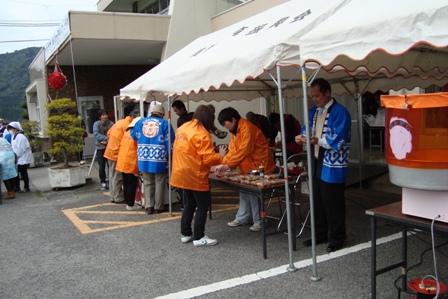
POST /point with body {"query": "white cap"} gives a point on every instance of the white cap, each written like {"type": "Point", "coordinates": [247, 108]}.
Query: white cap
{"type": "Point", "coordinates": [15, 125]}
{"type": "Point", "coordinates": [156, 107]}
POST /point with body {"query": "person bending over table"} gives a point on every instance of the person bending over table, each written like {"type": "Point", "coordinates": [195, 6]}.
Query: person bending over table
{"type": "Point", "coordinates": [330, 123]}
{"type": "Point", "coordinates": [193, 156]}
{"type": "Point", "coordinates": [248, 150]}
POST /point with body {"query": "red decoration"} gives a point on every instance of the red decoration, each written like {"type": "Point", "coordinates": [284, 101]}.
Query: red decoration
{"type": "Point", "coordinates": [426, 288]}
{"type": "Point", "coordinates": [57, 79]}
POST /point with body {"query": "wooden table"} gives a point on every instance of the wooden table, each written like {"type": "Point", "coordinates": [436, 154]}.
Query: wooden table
{"type": "Point", "coordinates": [261, 194]}
{"type": "Point", "coordinates": [392, 213]}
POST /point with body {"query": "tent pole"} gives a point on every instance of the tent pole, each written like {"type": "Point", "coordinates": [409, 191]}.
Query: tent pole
{"type": "Point", "coordinates": [142, 106]}
{"type": "Point", "coordinates": [358, 100]}
{"type": "Point", "coordinates": [361, 137]}
{"type": "Point", "coordinates": [291, 234]}
{"type": "Point", "coordinates": [315, 276]}
{"type": "Point", "coordinates": [169, 158]}
{"type": "Point", "coordinates": [115, 108]}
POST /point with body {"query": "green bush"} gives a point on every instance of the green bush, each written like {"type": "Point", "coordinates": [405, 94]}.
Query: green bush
{"type": "Point", "coordinates": [64, 129]}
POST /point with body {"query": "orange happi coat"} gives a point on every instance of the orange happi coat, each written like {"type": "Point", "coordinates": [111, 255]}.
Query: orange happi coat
{"type": "Point", "coordinates": [127, 155]}
{"type": "Point", "coordinates": [193, 155]}
{"type": "Point", "coordinates": [114, 136]}
{"type": "Point", "coordinates": [249, 149]}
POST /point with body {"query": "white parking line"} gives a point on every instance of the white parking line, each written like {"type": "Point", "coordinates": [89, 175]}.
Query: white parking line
{"type": "Point", "coordinates": [249, 278]}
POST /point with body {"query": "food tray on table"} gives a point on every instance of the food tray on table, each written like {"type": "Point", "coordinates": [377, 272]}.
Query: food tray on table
{"type": "Point", "coordinates": [266, 181]}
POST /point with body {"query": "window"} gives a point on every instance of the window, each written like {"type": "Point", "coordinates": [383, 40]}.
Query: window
{"type": "Point", "coordinates": [90, 106]}
{"type": "Point", "coordinates": [157, 7]}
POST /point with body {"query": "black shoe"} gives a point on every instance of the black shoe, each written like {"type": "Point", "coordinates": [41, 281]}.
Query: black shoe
{"type": "Point", "coordinates": [156, 211]}
{"type": "Point", "coordinates": [149, 211]}
{"type": "Point", "coordinates": [335, 246]}
{"type": "Point", "coordinates": [27, 190]}
{"type": "Point", "coordinates": [307, 243]}
{"type": "Point", "coordinates": [118, 202]}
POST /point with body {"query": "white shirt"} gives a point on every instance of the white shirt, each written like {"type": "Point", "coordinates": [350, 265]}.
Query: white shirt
{"type": "Point", "coordinates": [322, 141]}
{"type": "Point", "coordinates": [22, 149]}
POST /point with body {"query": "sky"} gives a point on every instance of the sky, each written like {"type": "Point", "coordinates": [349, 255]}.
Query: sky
{"type": "Point", "coordinates": [50, 11]}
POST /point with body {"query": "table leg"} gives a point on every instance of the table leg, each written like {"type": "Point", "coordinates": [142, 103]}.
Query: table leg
{"type": "Point", "coordinates": [373, 257]}
{"type": "Point", "coordinates": [404, 258]}
{"type": "Point", "coordinates": [263, 224]}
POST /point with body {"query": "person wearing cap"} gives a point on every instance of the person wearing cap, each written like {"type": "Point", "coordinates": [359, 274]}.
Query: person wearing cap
{"type": "Point", "coordinates": [114, 136]}
{"type": "Point", "coordinates": [22, 149]}
{"type": "Point", "coordinates": [249, 150]}
{"type": "Point", "coordinates": [193, 157]}
{"type": "Point", "coordinates": [100, 129]}
{"type": "Point", "coordinates": [154, 136]}
{"type": "Point", "coordinates": [127, 164]}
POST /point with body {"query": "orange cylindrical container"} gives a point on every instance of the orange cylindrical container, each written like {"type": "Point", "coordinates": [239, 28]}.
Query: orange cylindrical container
{"type": "Point", "coordinates": [417, 140]}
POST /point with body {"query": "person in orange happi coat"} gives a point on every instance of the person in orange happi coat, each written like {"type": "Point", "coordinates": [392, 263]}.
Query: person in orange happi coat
{"type": "Point", "coordinates": [127, 164]}
{"type": "Point", "coordinates": [248, 150]}
{"type": "Point", "coordinates": [193, 157]}
{"type": "Point", "coordinates": [114, 136]}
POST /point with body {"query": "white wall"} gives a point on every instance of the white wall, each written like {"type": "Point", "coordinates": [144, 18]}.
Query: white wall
{"type": "Point", "coordinates": [242, 12]}
{"type": "Point", "coordinates": [189, 20]}
{"type": "Point", "coordinates": [38, 89]}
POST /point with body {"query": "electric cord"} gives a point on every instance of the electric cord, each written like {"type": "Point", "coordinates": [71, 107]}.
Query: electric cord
{"type": "Point", "coordinates": [434, 257]}
{"type": "Point", "coordinates": [415, 233]}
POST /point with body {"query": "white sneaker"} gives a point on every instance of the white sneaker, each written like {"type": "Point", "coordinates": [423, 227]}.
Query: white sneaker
{"type": "Point", "coordinates": [256, 227]}
{"type": "Point", "coordinates": [103, 186]}
{"type": "Point", "coordinates": [234, 223]}
{"type": "Point", "coordinates": [205, 241]}
{"type": "Point", "coordinates": [185, 239]}
{"type": "Point", "coordinates": [133, 208]}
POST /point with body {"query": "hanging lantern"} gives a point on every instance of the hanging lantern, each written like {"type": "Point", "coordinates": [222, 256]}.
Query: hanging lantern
{"type": "Point", "coordinates": [57, 79]}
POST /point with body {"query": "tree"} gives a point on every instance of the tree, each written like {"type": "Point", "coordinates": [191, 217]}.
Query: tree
{"type": "Point", "coordinates": [64, 129]}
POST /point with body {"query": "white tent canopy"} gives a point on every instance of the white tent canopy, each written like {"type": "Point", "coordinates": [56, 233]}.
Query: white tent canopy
{"type": "Point", "coordinates": [393, 27]}
{"type": "Point", "coordinates": [236, 53]}
{"type": "Point", "coordinates": [407, 39]}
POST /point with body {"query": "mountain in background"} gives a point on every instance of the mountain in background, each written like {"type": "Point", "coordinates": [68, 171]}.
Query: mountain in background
{"type": "Point", "coordinates": [13, 81]}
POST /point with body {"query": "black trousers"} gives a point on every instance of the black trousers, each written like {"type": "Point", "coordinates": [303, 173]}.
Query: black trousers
{"type": "Point", "coordinates": [102, 163]}
{"type": "Point", "coordinates": [329, 211]}
{"type": "Point", "coordinates": [199, 202]}
{"type": "Point", "coordinates": [23, 174]}
{"type": "Point", "coordinates": [129, 188]}
{"type": "Point", "coordinates": [10, 184]}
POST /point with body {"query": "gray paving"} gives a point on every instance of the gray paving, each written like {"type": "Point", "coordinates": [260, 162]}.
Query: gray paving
{"type": "Point", "coordinates": [345, 277]}
{"type": "Point", "coordinates": [42, 254]}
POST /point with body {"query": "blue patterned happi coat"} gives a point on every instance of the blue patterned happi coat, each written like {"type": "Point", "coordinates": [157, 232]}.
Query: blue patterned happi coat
{"type": "Point", "coordinates": [333, 163]}
{"type": "Point", "coordinates": [151, 134]}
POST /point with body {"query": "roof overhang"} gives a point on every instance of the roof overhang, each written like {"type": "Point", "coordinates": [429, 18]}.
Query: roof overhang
{"type": "Point", "coordinates": [102, 38]}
